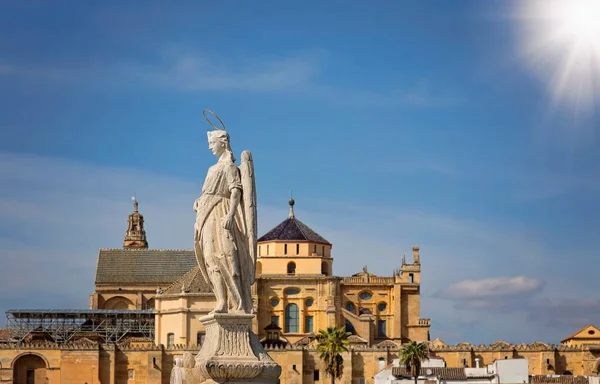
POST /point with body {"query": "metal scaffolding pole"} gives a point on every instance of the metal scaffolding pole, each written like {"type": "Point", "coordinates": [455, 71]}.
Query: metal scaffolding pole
{"type": "Point", "coordinates": [62, 326]}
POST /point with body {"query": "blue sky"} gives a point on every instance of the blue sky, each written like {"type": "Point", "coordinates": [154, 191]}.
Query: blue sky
{"type": "Point", "coordinates": [395, 124]}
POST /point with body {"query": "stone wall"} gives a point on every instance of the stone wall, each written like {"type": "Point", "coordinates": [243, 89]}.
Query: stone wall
{"type": "Point", "coordinates": [93, 363]}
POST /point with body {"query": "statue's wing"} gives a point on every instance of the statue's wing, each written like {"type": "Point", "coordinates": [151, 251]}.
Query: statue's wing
{"type": "Point", "coordinates": [250, 213]}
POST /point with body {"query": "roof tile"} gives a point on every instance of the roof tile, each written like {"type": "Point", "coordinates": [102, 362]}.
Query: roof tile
{"type": "Point", "coordinates": [191, 282]}
{"type": "Point", "coordinates": [562, 379]}
{"type": "Point", "coordinates": [292, 229]}
{"type": "Point", "coordinates": [143, 266]}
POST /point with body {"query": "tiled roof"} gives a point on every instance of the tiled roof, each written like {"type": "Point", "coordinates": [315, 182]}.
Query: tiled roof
{"type": "Point", "coordinates": [272, 326]}
{"type": "Point", "coordinates": [292, 229]}
{"type": "Point", "coordinates": [562, 379]}
{"type": "Point", "coordinates": [387, 343]}
{"type": "Point", "coordinates": [191, 282]}
{"type": "Point", "coordinates": [143, 266]}
{"type": "Point", "coordinates": [354, 339]}
{"type": "Point", "coordinates": [443, 373]}
{"type": "Point", "coordinates": [364, 272]}
{"type": "Point", "coordinates": [306, 340]}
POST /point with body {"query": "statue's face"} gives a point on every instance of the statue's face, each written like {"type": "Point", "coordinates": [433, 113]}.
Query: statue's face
{"type": "Point", "coordinates": [216, 147]}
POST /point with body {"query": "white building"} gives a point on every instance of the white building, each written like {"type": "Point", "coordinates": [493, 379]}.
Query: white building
{"type": "Point", "coordinates": [434, 371]}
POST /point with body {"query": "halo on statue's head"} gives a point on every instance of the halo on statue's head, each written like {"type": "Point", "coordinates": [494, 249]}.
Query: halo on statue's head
{"type": "Point", "coordinates": [211, 123]}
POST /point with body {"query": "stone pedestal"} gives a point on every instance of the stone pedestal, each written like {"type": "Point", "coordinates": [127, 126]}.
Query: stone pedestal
{"type": "Point", "coordinates": [232, 353]}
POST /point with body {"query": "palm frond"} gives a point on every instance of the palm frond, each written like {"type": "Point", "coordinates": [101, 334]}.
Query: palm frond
{"type": "Point", "coordinates": [332, 342]}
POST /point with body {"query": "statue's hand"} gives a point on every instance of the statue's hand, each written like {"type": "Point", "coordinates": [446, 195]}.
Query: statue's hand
{"type": "Point", "coordinates": [227, 222]}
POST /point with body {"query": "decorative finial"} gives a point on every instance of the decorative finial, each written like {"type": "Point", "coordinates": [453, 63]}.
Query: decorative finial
{"type": "Point", "coordinates": [291, 215]}
{"type": "Point", "coordinates": [135, 203]}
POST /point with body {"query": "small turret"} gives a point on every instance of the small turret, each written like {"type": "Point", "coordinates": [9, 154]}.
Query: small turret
{"type": "Point", "coordinates": [135, 236]}
{"type": "Point", "coordinates": [416, 258]}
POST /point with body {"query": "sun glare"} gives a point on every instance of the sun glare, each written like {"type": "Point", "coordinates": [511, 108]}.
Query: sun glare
{"type": "Point", "coordinates": [561, 43]}
{"type": "Point", "coordinates": [581, 20]}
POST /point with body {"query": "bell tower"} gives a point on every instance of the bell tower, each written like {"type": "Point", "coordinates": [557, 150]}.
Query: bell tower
{"type": "Point", "coordinates": [135, 236]}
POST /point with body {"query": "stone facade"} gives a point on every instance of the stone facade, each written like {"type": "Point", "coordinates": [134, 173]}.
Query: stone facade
{"type": "Point", "coordinates": [544, 359]}
{"type": "Point", "coordinates": [295, 289]}
{"type": "Point", "coordinates": [147, 363]}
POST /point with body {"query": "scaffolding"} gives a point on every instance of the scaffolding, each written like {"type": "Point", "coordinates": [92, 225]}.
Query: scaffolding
{"type": "Point", "coordinates": [62, 326]}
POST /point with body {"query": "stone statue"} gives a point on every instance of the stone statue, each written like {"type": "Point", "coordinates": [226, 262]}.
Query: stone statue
{"type": "Point", "coordinates": [225, 229]}
{"type": "Point", "coordinates": [177, 373]}
{"type": "Point", "coordinates": [225, 246]}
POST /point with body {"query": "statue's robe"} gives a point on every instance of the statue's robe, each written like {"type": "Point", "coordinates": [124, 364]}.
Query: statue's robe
{"type": "Point", "coordinates": [232, 255]}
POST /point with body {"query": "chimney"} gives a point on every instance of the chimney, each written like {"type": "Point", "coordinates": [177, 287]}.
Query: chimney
{"type": "Point", "coordinates": [416, 259]}
{"type": "Point", "coordinates": [477, 362]}
{"type": "Point", "coordinates": [380, 364]}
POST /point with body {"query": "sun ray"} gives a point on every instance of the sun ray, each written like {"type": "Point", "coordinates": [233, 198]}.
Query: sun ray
{"type": "Point", "coordinates": [560, 41]}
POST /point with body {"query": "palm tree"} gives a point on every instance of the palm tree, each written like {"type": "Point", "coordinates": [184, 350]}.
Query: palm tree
{"type": "Point", "coordinates": [331, 343]}
{"type": "Point", "coordinates": [412, 354]}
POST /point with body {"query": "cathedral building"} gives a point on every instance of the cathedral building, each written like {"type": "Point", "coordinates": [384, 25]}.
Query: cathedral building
{"type": "Point", "coordinates": [295, 289]}
{"type": "Point", "coordinates": [145, 309]}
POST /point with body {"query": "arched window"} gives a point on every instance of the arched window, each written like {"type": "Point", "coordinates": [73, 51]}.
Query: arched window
{"type": "Point", "coordinates": [364, 311]}
{"type": "Point", "coordinates": [381, 328]}
{"type": "Point", "coordinates": [324, 269]}
{"type": "Point", "coordinates": [118, 302]}
{"type": "Point", "coordinates": [349, 327]}
{"type": "Point", "coordinates": [291, 268]}
{"type": "Point", "coordinates": [150, 304]}
{"type": "Point", "coordinates": [292, 316]}
{"type": "Point", "coordinates": [350, 307]}
{"type": "Point", "coordinates": [29, 368]}
{"type": "Point", "coordinates": [170, 340]}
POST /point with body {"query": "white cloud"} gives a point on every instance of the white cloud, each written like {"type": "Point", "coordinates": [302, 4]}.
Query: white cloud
{"type": "Point", "coordinates": [190, 73]}
{"type": "Point", "coordinates": [297, 74]}
{"type": "Point", "coordinates": [494, 287]}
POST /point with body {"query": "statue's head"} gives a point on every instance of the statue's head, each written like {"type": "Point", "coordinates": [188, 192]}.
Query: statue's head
{"type": "Point", "coordinates": [218, 143]}
{"type": "Point", "coordinates": [178, 362]}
